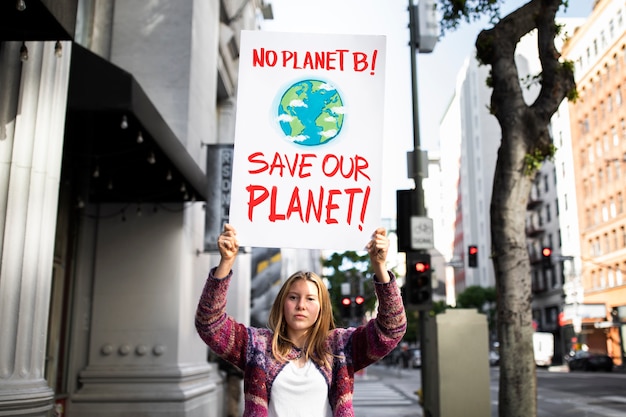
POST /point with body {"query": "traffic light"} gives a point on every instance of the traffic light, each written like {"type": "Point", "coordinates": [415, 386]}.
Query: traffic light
{"type": "Point", "coordinates": [346, 307]}
{"type": "Point", "coordinates": [472, 256]}
{"type": "Point", "coordinates": [546, 257]}
{"type": "Point", "coordinates": [359, 306]}
{"type": "Point", "coordinates": [418, 292]}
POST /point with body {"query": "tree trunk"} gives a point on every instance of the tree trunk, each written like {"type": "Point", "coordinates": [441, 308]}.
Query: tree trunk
{"type": "Point", "coordinates": [524, 133]}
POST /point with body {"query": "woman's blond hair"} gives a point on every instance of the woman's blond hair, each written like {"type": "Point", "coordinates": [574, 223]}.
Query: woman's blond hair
{"type": "Point", "coordinates": [315, 348]}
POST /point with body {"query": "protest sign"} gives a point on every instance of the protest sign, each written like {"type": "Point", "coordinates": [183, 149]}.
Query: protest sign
{"type": "Point", "coordinates": [307, 166]}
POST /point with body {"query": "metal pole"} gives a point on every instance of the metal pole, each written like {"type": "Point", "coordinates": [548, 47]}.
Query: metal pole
{"type": "Point", "coordinates": [417, 160]}
{"type": "Point", "coordinates": [419, 210]}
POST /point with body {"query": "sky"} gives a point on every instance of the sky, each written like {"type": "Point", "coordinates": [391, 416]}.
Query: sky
{"type": "Point", "coordinates": [436, 71]}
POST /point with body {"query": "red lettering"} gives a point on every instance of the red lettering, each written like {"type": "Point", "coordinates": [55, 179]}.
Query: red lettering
{"type": "Point", "coordinates": [361, 165]}
{"type": "Point", "coordinates": [320, 60]}
{"type": "Point", "coordinates": [253, 159]}
{"type": "Point", "coordinates": [255, 201]}
{"type": "Point", "coordinates": [325, 205]}
{"type": "Point", "coordinates": [346, 167]}
{"type": "Point", "coordinates": [360, 61]}
{"type": "Point", "coordinates": [304, 164]}
{"type": "Point", "coordinates": [277, 163]}
{"type": "Point", "coordinates": [273, 215]}
{"type": "Point", "coordinates": [341, 54]}
{"type": "Point", "coordinates": [330, 206]}
{"type": "Point", "coordinates": [288, 56]}
{"type": "Point", "coordinates": [262, 57]}
{"type": "Point", "coordinates": [308, 61]}
{"type": "Point", "coordinates": [326, 161]}
{"type": "Point", "coordinates": [330, 59]}
{"type": "Point", "coordinates": [311, 206]}
{"type": "Point", "coordinates": [351, 192]}
{"type": "Point", "coordinates": [295, 206]}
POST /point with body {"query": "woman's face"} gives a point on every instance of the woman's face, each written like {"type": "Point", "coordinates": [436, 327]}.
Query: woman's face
{"type": "Point", "coordinates": [302, 307]}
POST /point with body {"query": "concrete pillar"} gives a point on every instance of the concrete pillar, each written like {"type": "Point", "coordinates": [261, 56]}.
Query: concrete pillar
{"type": "Point", "coordinates": [32, 120]}
{"type": "Point", "coordinates": [145, 357]}
{"type": "Point", "coordinates": [463, 364]}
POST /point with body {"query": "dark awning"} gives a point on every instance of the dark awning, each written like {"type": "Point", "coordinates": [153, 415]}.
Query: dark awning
{"type": "Point", "coordinates": [40, 20]}
{"type": "Point", "coordinates": [107, 111]}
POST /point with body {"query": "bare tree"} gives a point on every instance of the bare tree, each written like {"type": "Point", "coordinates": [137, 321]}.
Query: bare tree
{"type": "Point", "coordinates": [526, 142]}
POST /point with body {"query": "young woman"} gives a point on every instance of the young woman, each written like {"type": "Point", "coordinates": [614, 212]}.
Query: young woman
{"type": "Point", "coordinates": [301, 365]}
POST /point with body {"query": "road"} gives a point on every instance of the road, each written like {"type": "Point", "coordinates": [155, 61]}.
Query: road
{"type": "Point", "coordinates": [388, 391]}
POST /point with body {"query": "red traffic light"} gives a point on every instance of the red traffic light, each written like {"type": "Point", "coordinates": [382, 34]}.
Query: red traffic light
{"type": "Point", "coordinates": [346, 301]}
{"type": "Point", "coordinates": [546, 252]}
{"type": "Point", "coordinates": [473, 250]}
{"type": "Point", "coordinates": [359, 299]}
{"type": "Point", "coordinates": [422, 266]}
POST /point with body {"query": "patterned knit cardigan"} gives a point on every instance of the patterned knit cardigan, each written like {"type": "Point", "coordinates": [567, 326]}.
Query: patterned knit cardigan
{"type": "Point", "coordinates": [250, 348]}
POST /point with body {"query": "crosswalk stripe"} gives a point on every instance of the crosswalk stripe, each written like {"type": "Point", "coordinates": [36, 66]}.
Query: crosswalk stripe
{"type": "Point", "coordinates": [379, 394]}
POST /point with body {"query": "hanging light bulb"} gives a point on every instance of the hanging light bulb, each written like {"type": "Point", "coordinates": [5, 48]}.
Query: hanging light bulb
{"type": "Point", "coordinates": [183, 188]}
{"type": "Point", "coordinates": [139, 137]}
{"type": "Point", "coordinates": [168, 176]}
{"type": "Point", "coordinates": [96, 171]}
{"type": "Point", "coordinates": [186, 196]}
{"type": "Point", "coordinates": [20, 5]}
{"type": "Point", "coordinates": [139, 212]}
{"type": "Point", "coordinates": [23, 52]}
{"type": "Point", "coordinates": [151, 158]}
{"type": "Point", "coordinates": [124, 124]}
{"type": "Point", "coordinates": [80, 203]}
{"type": "Point", "coordinates": [58, 49]}
{"type": "Point", "coordinates": [110, 185]}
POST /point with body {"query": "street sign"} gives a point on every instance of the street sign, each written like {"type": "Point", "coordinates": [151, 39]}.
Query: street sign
{"type": "Point", "coordinates": [422, 236]}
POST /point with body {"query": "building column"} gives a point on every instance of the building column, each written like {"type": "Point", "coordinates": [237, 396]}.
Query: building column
{"type": "Point", "coordinates": [32, 119]}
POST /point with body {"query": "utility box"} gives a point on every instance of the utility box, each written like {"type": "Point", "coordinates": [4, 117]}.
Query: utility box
{"type": "Point", "coordinates": [461, 373]}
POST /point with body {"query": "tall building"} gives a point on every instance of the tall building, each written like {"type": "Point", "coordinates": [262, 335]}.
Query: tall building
{"type": "Point", "coordinates": [109, 112]}
{"type": "Point", "coordinates": [598, 132]}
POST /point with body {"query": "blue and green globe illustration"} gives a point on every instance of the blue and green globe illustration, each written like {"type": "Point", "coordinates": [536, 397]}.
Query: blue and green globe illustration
{"type": "Point", "coordinates": [311, 112]}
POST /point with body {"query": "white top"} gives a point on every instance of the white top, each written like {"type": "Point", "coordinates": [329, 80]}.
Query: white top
{"type": "Point", "coordinates": [299, 392]}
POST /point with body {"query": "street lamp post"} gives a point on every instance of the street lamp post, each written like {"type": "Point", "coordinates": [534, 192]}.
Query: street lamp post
{"type": "Point", "coordinates": [423, 30]}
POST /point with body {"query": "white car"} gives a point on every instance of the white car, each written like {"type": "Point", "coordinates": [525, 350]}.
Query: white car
{"type": "Point", "coordinates": [415, 360]}
{"type": "Point", "coordinates": [494, 358]}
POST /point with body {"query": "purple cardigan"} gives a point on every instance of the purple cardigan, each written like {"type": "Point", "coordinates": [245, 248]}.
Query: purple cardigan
{"type": "Point", "coordinates": [250, 348]}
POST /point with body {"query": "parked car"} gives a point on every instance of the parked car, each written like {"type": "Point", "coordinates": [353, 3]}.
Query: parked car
{"type": "Point", "coordinates": [589, 361]}
{"type": "Point", "coordinates": [494, 358]}
{"type": "Point", "coordinates": [415, 360]}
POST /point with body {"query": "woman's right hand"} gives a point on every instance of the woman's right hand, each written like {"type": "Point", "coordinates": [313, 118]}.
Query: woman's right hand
{"type": "Point", "coordinates": [228, 247]}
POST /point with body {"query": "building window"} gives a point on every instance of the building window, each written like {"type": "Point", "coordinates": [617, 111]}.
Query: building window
{"type": "Point", "coordinates": [612, 208]}
{"type": "Point", "coordinates": [548, 215]}
{"type": "Point", "coordinates": [615, 137]}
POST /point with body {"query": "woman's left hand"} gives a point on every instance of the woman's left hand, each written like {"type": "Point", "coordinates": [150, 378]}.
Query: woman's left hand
{"type": "Point", "coordinates": [377, 248]}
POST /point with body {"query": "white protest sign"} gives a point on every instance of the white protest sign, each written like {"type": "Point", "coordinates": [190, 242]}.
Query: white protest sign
{"type": "Point", "coordinates": [307, 167]}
